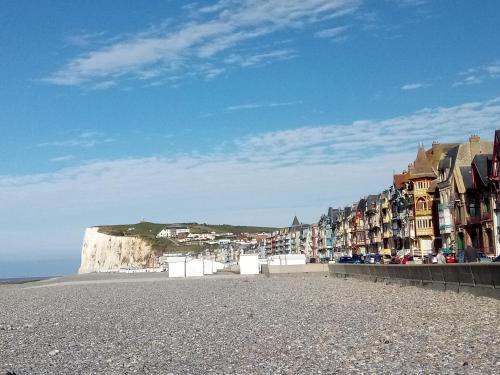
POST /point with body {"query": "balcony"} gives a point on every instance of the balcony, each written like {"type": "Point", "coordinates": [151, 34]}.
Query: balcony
{"type": "Point", "coordinates": [473, 220]}
{"type": "Point", "coordinates": [486, 216]}
{"type": "Point", "coordinates": [445, 228]}
{"type": "Point", "coordinates": [423, 212]}
{"type": "Point", "coordinates": [425, 232]}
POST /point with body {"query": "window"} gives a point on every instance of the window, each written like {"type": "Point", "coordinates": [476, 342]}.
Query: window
{"type": "Point", "coordinates": [421, 204]}
{"type": "Point", "coordinates": [473, 209]}
{"type": "Point", "coordinates": [424, 223]}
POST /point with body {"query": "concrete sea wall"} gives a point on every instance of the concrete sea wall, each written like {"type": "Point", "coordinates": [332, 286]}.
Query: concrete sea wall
{"type": "Point", "coordinates": [300, 269]}
{"type": "Point", "coordinates": [476, 278]}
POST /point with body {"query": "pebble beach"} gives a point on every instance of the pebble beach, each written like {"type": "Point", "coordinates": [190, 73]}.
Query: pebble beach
{"type": "Point", "coordinates": [232, 324]}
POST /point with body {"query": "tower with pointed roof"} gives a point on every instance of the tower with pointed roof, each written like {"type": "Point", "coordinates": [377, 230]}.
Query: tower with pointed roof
{"type": "Point", "coordinates": [421, 176]}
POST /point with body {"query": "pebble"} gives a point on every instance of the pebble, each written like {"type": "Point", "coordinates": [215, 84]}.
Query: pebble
{"type": "Point", "coordinates": [116, 324]}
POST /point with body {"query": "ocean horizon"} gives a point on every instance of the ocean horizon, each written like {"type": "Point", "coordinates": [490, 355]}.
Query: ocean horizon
{"type": "Point", "coordinates": [37, 268]}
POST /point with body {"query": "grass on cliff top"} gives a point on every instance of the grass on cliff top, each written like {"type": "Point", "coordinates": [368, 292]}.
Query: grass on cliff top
{"type": "Point", "coordinates": [166, 245]}
{"type": "Point", "coordinates": [150, 230]}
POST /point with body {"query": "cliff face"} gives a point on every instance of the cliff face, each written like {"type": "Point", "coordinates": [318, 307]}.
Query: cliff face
{"type": "Point", "coordinates": [102, 252]}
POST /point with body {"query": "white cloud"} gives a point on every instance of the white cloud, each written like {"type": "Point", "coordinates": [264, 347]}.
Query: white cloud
{"type": "Point", "coordinates": [62, 158]}
{"type": "Point", "coordinates": [239, 107]}
{"type": "Point", "coordinates": [479, 74]}
{"type": "Point", "coordinates": [224, 25]}
{"type": "Point", "coordinates": [409, 3]}
{"type": "Point", "coordinates": [261, 179]}
{"type": "Point", "coordinates": [332, 33]}
{"type": "Point", "coordinates": [86, 140]}
{"type": "Point", "coordinates": [415, 86]}
{"type": "Point", "coordinates": [260, 58]}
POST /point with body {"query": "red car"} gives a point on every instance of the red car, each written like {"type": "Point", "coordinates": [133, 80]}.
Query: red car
{"type": "Point", "coordinates": [451, 258]}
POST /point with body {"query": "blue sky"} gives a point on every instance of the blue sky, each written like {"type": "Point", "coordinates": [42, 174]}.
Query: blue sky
{"type": "Point", "coordinates": [245, 112]}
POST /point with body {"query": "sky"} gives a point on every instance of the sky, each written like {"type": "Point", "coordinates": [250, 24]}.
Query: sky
{"type": "Point", "coordinates": [239, 112]}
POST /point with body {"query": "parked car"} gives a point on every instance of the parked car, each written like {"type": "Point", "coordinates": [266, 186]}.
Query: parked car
{"type": "Point", "coordinates": [430, 259]}
{"type": "Point", "coordinates": [370, 259]}
{"type": "Point", "coordinates": [483, 258]}
{"type": "Point", "coordinates": [358, 259]}
{"type": "Point", "coordinates": [395, 260]}
{"type": "Point", "coordinates": [312, 260]}
{"type": "Point", "coordinates": [346, 260]}
{"type": "Point", "coordinates": [451, 258]}
{"type": "Point", "coordinates": [497, 259]}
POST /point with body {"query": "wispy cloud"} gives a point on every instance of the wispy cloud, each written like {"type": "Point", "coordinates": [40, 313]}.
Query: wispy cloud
{"type": "Point", "coordinates": [260, 58]}
{"type": "Point", "coordinates": [62, 158]}
{"type": "Point", "coordinates": [240, 107]}
{"type": "Point", "coordinates": [333, 33]}
{"type": "Point", "coordinates": [85, 140]}
{"type": "Point", "coordinates": [415, 86]}
{"type": "Point", "coordinates": [367, 138]}
{"type": "Point", "coordinates": [220, 27]}
{"type": "Point", "coordinates": [409, 3]}
{"type": "Point", "coordinates": [479, 74]}
{"type": "Point", "coordinates": [103, 85]}
{"type": "Point", "coordinates": [260, 179]}
{"type": "Point", "coordinates": [83, 39]}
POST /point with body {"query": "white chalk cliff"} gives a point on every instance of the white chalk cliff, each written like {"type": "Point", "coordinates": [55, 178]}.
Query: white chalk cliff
{"type": "Point", "coordinates": [102, 252]}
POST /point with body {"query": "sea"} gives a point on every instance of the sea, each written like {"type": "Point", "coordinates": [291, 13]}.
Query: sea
{"type": "Point", "coordinates": [19, 271]}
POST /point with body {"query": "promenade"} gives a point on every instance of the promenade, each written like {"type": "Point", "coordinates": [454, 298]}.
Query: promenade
{"type": "Point", "coordinates": [231, 324]}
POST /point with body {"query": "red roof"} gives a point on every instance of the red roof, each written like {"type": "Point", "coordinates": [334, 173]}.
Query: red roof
{"type": "Point", "coordinates": [399, 180]}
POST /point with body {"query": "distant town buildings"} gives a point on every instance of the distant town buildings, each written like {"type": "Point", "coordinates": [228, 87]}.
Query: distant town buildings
{"type": "Point", "coordinates": [174, 232]}
{"type": "Point", "coordinates": [447, 199]}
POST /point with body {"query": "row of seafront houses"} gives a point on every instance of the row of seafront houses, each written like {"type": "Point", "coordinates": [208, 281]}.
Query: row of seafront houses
{"type": "Point", "coordinates": [447, 199]}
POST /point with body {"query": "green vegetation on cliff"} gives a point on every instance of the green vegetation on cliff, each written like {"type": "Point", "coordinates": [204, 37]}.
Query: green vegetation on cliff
{"type": "Point", "coordinates": [148, 232]}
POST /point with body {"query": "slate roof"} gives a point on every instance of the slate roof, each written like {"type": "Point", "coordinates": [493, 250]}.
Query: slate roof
{"type": "Point", "coordinates": [422, 166]}
{"type": "Point", "coordinates": [436, 152]}
{"type": "Point", "coordinates": [361, 205]}
{"type": "Point", "coordinates": [464, 158]}
{"type": "Point", "coordinates": [447, 165]}
{"type": "Point", "coordinates": [482, 163]}
{"type": "Point", "coordinates": [466, 174]}
{"type": "Point", "coordinates": [295, 222]}
{"type": "Point", "coordinates": [371, 202]}
{"type": "Point", "coordinates": [333, 213]}
{"type": "Point", "coordinates": [432, 187]}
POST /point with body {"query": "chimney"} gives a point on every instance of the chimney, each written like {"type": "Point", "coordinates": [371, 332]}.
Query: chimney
{"type": "Point", "coordinates": [475, 145]}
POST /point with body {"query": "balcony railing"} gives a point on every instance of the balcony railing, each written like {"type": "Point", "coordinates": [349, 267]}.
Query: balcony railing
{"type": "Point", "coordinates": [425, 232]}
{"type": "Point", "coordinates": [472, 220]}
{"type": "Point", "coordinates": [423, 212]}
{"type": "Point", "coordinates": [486, 216]}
